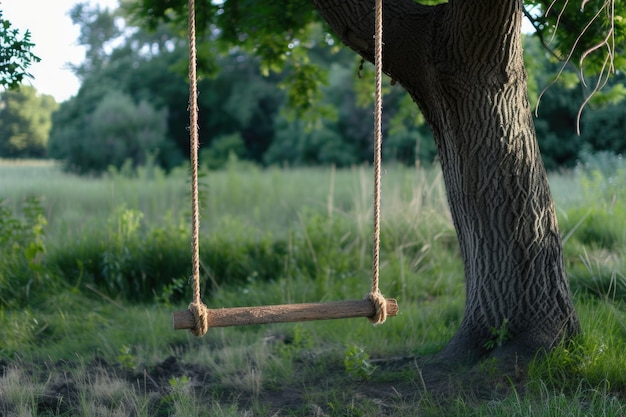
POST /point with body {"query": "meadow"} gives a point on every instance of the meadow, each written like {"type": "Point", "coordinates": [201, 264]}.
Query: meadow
{"type": "Point", "coordinates": [92, 268]}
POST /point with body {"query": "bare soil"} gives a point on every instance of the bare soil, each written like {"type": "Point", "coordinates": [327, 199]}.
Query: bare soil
{"type": "Point", "coordinates": [399, 383]}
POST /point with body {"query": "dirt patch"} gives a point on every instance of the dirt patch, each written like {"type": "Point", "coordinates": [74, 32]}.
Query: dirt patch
{"type": "Point", "coordinates": [60, 397]}
{"type": "Point", "coordinates": [71, 388]}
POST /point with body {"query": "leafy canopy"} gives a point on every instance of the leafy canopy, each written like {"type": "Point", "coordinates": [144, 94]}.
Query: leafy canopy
{"type": "Point", "coordinates": [590, 34]}
{"type": "Point", "coordinates": [278, 33]}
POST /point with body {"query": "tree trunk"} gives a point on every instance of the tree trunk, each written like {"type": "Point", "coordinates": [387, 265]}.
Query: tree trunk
{"type": "Point", "coordinates": [462, 64]}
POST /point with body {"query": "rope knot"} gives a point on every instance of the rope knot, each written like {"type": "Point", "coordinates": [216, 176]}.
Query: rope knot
{"type": "Point", "coordinates": [201, 318]}
{"type": "Point", "coordinates": [380, 306]}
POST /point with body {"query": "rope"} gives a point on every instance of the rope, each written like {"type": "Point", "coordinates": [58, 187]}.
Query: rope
{"type": "Point", "coordinates": [197, 307]}
{"type": "Point", "coordinates": [375, 296]}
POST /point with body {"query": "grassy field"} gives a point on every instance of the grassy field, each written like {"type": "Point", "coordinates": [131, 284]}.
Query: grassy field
{"type": "Point", "coordinates": [93, 267]}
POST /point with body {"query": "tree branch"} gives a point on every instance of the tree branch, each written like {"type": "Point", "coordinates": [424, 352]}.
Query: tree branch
{"type": "Point", "coordinates": [406, 24]}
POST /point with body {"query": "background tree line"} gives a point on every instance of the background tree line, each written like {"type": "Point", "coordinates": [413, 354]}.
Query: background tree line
{"type": "Point", "coordinates": [132, 105]}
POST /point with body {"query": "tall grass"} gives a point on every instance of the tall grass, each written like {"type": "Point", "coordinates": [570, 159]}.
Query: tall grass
{"type": "Point", "coordinates": [269, 236]}
{"type": "Point", "coordinates": [112, 259]}
{"type": "Point", "coordinates": [270, 200]}
{"type": "Point", "coordinates": [131, 234]}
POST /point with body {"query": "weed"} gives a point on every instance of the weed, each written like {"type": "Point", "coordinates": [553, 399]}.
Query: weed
{"type": "Point", "coordinates": [172, 291]}
{"type": "Point", "coordinates": [357, 363]}
{"type": "Point", "coordinates": [181, 399]}
{"type": "Point", "coordinates": [22, 246]}
{"type": "Point", "coordinates": [302, 337]}
{"type": "Point", "coordinates": [499, 335]}
{"type": "Point", "coordinates": [126, 359]}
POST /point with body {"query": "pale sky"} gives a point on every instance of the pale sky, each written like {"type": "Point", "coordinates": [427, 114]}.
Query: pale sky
{"type": "Point", "coordinates": [55, 39]}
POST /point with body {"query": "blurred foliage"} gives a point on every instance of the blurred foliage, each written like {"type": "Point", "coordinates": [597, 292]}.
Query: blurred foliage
{"type": "Point", "coordinates": [25, 123]}
{"type": "Point", "coordinates": [97, 29]}
{"type": "Point", "coordinates": [595, 230]}
{"type": "Point", "coordinates": [283, 90]}
{"type": "Point", "coordinates": [558, 98]}
{"type": "Point", "coordinates": [117, 130]}
{"type": "Point", "coordinates": [222, 149]}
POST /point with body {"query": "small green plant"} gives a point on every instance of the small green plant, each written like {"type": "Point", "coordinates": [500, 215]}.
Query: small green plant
{"type": "Point", "coordinates": [357, 363]}
{"type": "Point", "coordinates": [499, 335]}
{"type": "Point", "coordinates": [300, 341]}
{"type": "Point", "coordinates": [302, 337]}
{"type": "Point", "coordinates": [23, 234]}
{"type": "Point", "coordinates": [179, 384]}
{"type": "Point", "coordinates": [22, 247]}
{"type": "Point", "coordinates": [124, 244]}
{"type": "Point", "coordinates": [126, 358]}
{"type": "Point", "coordinates": [172, 291]}
{"type": "Point", "coordinates": [124, 225]}
{"type": "Point", "coordinates": [181, 400]}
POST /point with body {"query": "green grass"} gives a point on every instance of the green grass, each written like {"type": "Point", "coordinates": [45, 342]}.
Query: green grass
{"type": "Point", "coordinates": [98, 265]}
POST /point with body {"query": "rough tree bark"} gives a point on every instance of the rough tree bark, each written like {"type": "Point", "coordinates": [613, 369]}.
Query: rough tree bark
{"type": "Point", "coordinates": [462, 64]}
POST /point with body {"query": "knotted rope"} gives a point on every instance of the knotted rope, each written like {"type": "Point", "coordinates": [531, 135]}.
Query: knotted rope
{"type": "Point", "coordinates": [375, 296]}
{"type": "Point", "coordinates": [197, 307]}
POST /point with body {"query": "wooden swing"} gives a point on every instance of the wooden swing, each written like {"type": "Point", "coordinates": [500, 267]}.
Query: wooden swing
{"type": "Point", "coordinates": [199, 318]}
